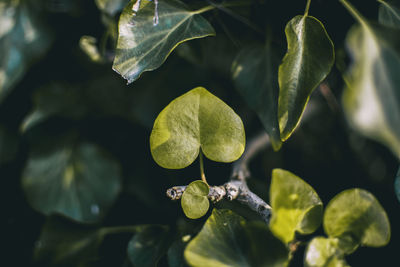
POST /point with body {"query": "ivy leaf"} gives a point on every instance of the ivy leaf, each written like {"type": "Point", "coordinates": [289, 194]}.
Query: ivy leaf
{"type": "Point", "coordinates": [21, 42]}
{"type": "Point", "coordinates": [255, 72]}
{"type": "Point", "coordinates": [148, 245]}
{"type": "Point", "coordinates": [78, 180]}
{"type": "Point", "coordinates": [228, 240]}
{"type": "Point", "coordinates": [371, 99]}
{"type": "Point", "coordinates": [194, 200]}
{"type": "Point", "coordinates": [357, 216]}
{"type": "Point", "coordinates": [296, 206]}
{"type": "Point", "coordinates": [144, 45]}
{"type": "Point", "coordinates": [389, 13]}
{"type": "Point", "coordinates": [63, 243]}
{"type": "Point", "coordinates": [195, 120]}
{"type": "Point", "coordinates": [308, 61]}
{"type": "Point", "coordinates": [111, 7]}
{"type": "Point", "coordinates": [324, 252]}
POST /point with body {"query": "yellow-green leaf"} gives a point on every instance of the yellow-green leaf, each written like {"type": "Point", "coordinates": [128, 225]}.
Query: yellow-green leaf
{"type": "Point", "coordinates": [356, 216]}
{"type": "Point", "coordinates": [295, 204]}
{"type": "Point", "coordinates": [308, 61]}
{"type": "Point", "coordinates": [324, 252]}
{"type": "Point", "coordinates": [194, 200]}
{"type": "Point", "coordinates": [144, 45]}
{"type": "Point", "coordinates": [195, 120]}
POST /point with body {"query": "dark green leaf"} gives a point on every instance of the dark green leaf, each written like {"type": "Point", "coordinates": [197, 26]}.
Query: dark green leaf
{"type": "Point", "coordinates": [78, 180]}
{"type": "Point", "coordinates": [8, 145]}
{"type": "Point", "coordinates": [22, 40]}
{"type": "Point", "coordinates": [148, 245]}
{"type": "Point", "coordinates": [389, 13]}
{"type": "Point", "coordinates": [228, 240]}
{"type": "Point", "coordinates": [295, 204]}
{"type": "Point", "coordinates": [308, 61]}
{"type": "Point", "coordinates": [64, 243]}
{"type": "Point", "coordinates": [397, 185]}
{"type": "Point", "coordinates": [176, 250]}
{"type": "Point", "coordinates": [357, 217]}
{"type": "Point", "coordinates": [324, 252]}
{"type": "Point", "coordinates": [193, 120]}
{"type": "Point", "coordinates": [55, 100]}
{"type": "Point", "coordinates": [144, 45]}
{"type": "Point", "coordinates": [194, 200]}
{"type": "Point", "coordinates": [255, 74]}
{"type": "Point", "coordinates": [372, 95]}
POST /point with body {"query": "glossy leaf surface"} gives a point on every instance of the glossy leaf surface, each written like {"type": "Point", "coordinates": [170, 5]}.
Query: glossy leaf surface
{"type": "Point", "coordinates": [296, 206]}
{"type": "Point", "coordinates": [324, 252]}
{"type": "Point", "coordinates": [194, 200]}
{"type": "Point", "coordinates": [143, 45]}
{"type": "Point", "coordinates": [356, 215]}
{"type": "Point", "coordinates": [389, 13]}
{"type": "Point", "coordinates": [78, 180]}
{"type": "Point", "coordinates": [195, 120]}
{"type": "Point", "coordinates": [371, 99]}
{"type": "Point", "coordinates": [228, 240]}
{"type": "Point", "coordinates": [22, 40]}
{"type": "Point", "coordinates": [148, 245]}
{"type": "Point", "coordinates": [255, 74]}
{"type": "Point", "coordinates": [308, 61]}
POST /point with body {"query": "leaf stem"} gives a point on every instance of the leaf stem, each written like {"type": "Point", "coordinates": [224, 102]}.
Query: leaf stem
{"type": "Point", "coordinates": [203, 176]}
{"type": "Point", "coordinates": [354, 12]}
{"type": "Point", "coordinates": [307, 8]}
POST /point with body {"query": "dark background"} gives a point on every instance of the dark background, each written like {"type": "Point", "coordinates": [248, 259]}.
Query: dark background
{"type": "Point", "coordinates": [324, 151]}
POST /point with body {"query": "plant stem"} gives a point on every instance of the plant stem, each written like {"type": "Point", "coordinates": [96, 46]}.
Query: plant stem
{"type": "Point", "coordinates": [307, 7]}
{"type": "Point", "coordinates": [203, 176]}
{"type": "Point", "coordinates": [354, 12]}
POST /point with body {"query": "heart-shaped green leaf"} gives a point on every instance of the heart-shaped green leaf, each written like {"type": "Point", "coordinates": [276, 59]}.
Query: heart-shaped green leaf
{"type": "Point", "coordinates": [371, 99]}
{"type": "Point", "coordinates": [324, 252]}
{"type": "Point", "coordinates": [296, 206]}
{"type": "Point", "coordinates": [255, 74]}
{"type": "Point", "coordinates": [195, 120]}
{"type": "Point", "coordinates": [357, 217]}
{"type": "Point", "coordinates": [144, 45]}
{"type": "Point", "coordinates": [148, 245]}
{"type": "Point", "coordinates": [23, 39]}
{"type": "Point", "coordinates": [308, 61]}
{"type": "Point", "coordinates": [389, 13]}
{"type": "Point", "coordinates": [228, 240]}
{"type": "Point", "coordinates": [194, 199]}
{"type": "Point", "coordinates": [78, 180]}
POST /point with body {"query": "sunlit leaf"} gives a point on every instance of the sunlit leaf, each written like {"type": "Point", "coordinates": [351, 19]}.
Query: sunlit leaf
{"type": "Point", "coordinates": [389, 13]}
{"type": "Point", "coordinates": [144, 45]}
{"type": "Point", "coordinates": [8, 145]}
{"type": "Point", "coordinates": [22, 40]}
{"type": "Point", "coordinates": [78, 180]}
{"type": "Point", "coordinates": [255, 74]}
{"type": "Point", "coordinates": [228, 240]}
{"type": "Point", "coordinates": [296, 206]}
{"type": "Point", "coordinates": [195, 120]}
{"type": "Point", "coordinates": [194, 200]}
{"type": "Point", "coordinates": [372, 95]}
{"type": "Point", "coordinates": [148, 245]}
{"type": "Point", "coordinates": [111, 7]}
{"type": "Point", "coordinates": [357, 216]}
{"type": "Point", "coordinates": [308, 61]}
{"type": "Point", "coordinates": [324, 252]}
